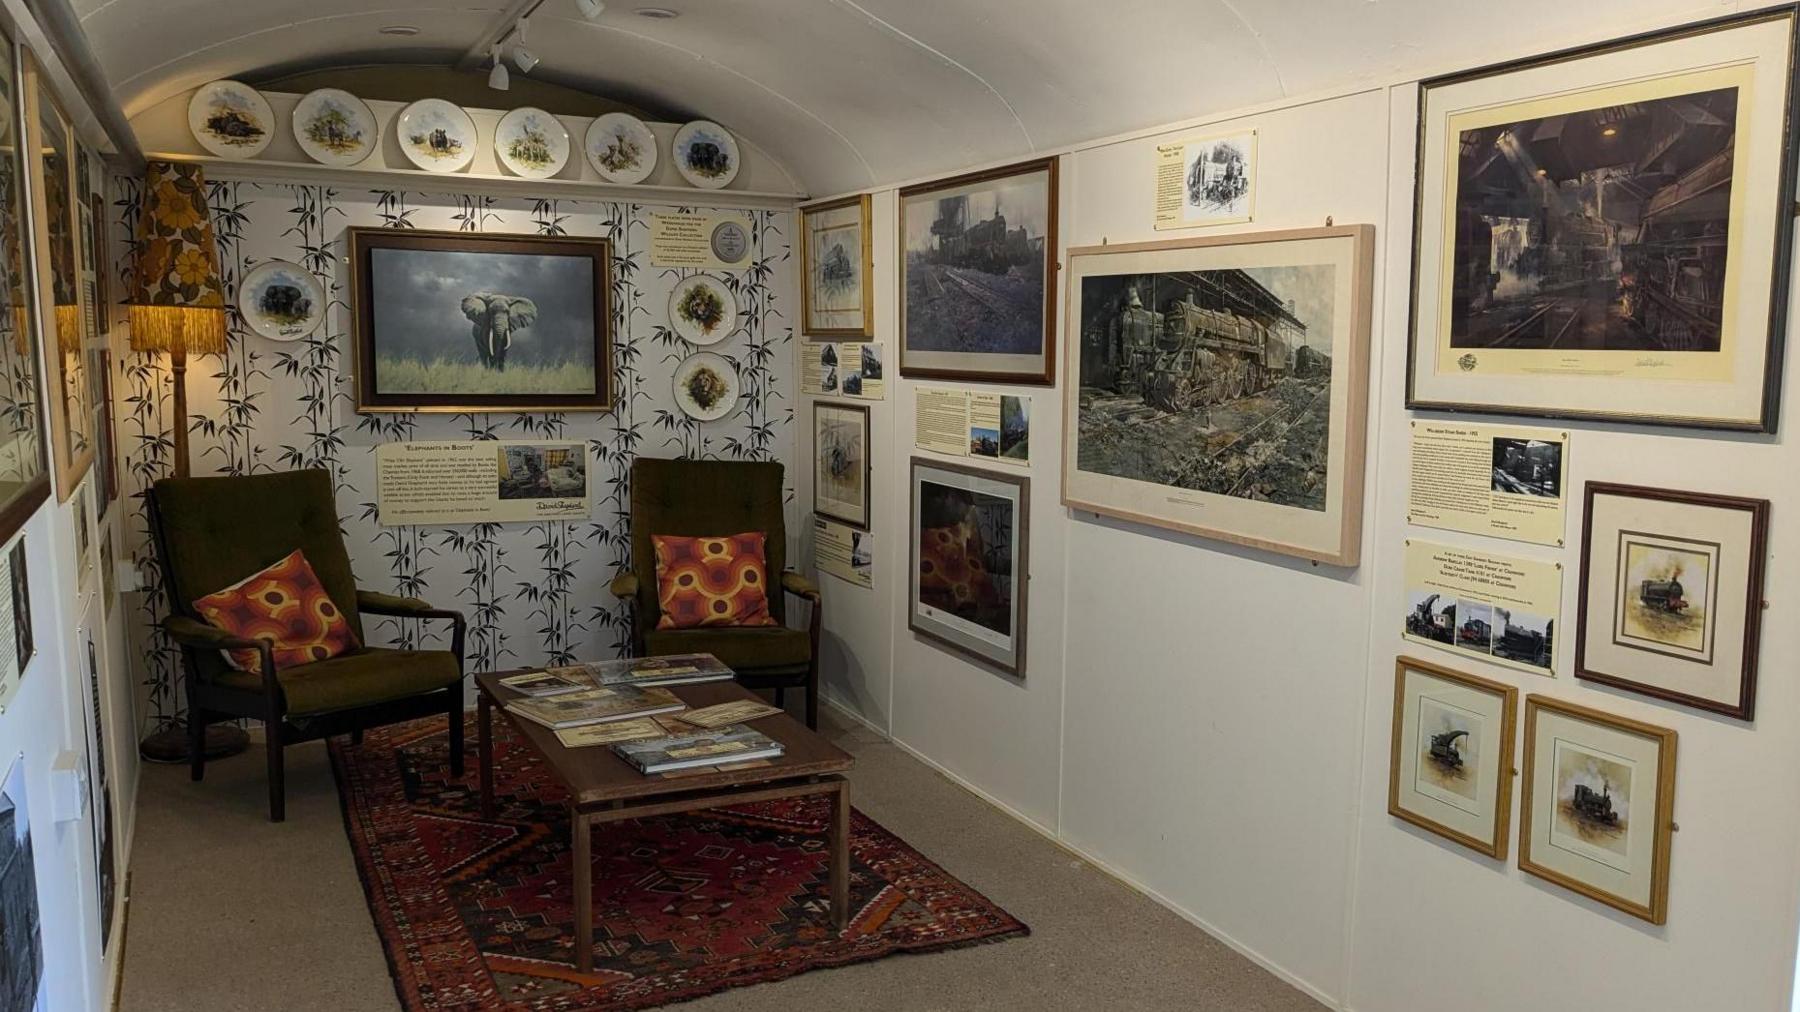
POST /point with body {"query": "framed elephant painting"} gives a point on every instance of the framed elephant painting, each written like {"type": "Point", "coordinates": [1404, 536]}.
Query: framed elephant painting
{"type": "Point", "coordinates": [456, 321]}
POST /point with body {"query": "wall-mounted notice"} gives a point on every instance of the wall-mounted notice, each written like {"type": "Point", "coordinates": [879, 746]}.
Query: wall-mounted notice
{"type": "Point", "coordinates": [843, 369]}
{"type": "Point", "coordinates": [1496, 607]}
{"type": "Point", "coordinates": [1206, 181]}
{"type": "Point", "coordinates": [1505, 481]}
{"type": "Point", "coordinates": [16, 645]}
{"type": "Point", "coordinates": [710, 241]}
{"type": "Point", "coordinates": [844, 552]}
{"type": "Point", "coordinates": [487, 481]}
{"type": "Point", "coordinates": [970, 424]}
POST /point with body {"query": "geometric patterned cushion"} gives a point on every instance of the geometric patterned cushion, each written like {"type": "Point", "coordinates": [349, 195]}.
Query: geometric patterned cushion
{"type": "Point", "coordinates": [951, 575]}
{"type": "Point", "coordinates": [711, 581]}
{"type": "Point", "coordinates": [286, 605]}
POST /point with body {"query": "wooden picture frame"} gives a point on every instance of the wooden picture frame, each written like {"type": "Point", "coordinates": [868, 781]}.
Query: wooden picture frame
{"type": "Point", "coordinates": [823, 322]}
{"type": "Point", "coordinates": [1000, 244]}
{"type": "Point", "coordinates": [977, 637]}
{"type": "Point", "coordinates": [1563, 863]}
{"type": "Point", "coordinates": [1417, 803]}
{"type": "Point", "coordinates": [1691, 557]}
{"type": "Point", "coordinates": [1572, 310]}
{"type": "Point", "coordinates": [1118, 381]}
{"type": "Point", "coordinates": [26, 477]}
{"type": "Point", "coordinates": [859, 516]}
{"type": "Point", "coordinates": [477, 355]}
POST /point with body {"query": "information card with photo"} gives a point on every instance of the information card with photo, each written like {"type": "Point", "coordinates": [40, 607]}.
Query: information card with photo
{"type": "Point", "coordinates": [843, 369]}
{"type": "Point", "coordinates": [484, 481]}
{"type": "Point", "coordinates": [1505, 481]}
{"type": "Point", "coordinates": [967, 423]}
{"type": "Point", "coordinates": [1496, 607]}
{"type": "Point", "coordinates": [844, 552]}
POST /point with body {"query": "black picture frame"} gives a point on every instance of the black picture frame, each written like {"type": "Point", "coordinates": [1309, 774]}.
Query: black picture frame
{"type": "Point", "coordinates": [862, 413]}
{"type": "Point", "coordinates": [1011, 659]}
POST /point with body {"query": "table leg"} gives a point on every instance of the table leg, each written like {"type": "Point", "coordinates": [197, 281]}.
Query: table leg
{"type": "Point", "coordinates": [484, 744]}
{"type": "Point", "coordinates": [584, 894]}
{"type": "Point", "coordinates": [840, 856]}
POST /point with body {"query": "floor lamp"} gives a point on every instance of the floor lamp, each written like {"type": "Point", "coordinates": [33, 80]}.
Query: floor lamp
{"type": "Point", "coordinates": [178, 307]}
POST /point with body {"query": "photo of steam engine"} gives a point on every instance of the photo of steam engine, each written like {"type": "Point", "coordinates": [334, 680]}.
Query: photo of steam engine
{"type": "Point", "coordinates": [1482, 628]}
{"type": "Point", "coordinates": [1528, 467]}
{"type": "Point", "coordinates": [1599, 230]}
{"type": "Point", "coordinates": [1214, 380]}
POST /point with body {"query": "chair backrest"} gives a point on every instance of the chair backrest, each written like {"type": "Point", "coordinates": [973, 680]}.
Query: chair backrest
{"type": "Point", "coordinates": [212, 532]}
{"type": "Point", "coordinates": [691, 498]}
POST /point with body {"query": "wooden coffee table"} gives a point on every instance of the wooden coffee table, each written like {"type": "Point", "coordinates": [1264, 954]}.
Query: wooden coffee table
{"type": "Point", "coordinates": [604, 788]}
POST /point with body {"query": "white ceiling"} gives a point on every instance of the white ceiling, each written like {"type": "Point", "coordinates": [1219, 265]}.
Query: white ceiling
{"type": "Point", "coordinates": [853, 93]}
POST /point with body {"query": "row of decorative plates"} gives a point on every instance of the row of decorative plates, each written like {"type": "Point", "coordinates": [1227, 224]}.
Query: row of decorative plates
{"type": "Point", "coordinates": [233, 120]}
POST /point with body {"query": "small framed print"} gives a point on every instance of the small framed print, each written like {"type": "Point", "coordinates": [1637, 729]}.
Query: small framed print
{"type": "Point", "coordinates": [970, 553]}
{"type": "Point", "coordinates": [1671, 595]}
{"type": "Point", "coordinates": [837, 256]}
{"type": "Point", "coordinates": [1598, 805]}
{"type": "Point", "coordinates": [1451, 770]}
{"type": "Point", "coordinates": [841, 452]}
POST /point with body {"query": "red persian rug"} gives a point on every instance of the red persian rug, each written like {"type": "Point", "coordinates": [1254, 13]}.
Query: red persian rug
{"type": "Point", "coordinates": [476, 914]}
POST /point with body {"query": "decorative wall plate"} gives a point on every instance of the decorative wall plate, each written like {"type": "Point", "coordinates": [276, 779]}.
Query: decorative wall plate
{"type": "Point", "coordinates": [702, 310]}
{"type": "Point", "coordinates": [706, 386]}
{"type": "Point", "coordinates": [436, 135]}
{"type": "Point", "coordinates": [335, 127]}
{"type": "Point", "coordinates": [231, 119]}
{"type": "Point", "coordinates": [531, 143]}
{"type": "Point", "coordinates": [282, 301]}
{"type": "Point", "coordinates": [706, 155]}
{"type": "Point", "coordinates": [621, 148]}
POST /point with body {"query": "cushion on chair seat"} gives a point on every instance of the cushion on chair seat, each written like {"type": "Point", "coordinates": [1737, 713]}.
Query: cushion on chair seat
{"type": "Point", "coordinates": [359, 678]}
{"type": "Point", "coordinates": [742, 649]}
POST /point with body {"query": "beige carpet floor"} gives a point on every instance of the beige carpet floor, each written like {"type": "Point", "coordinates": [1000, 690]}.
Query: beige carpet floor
{"type": "Point", "coordinates": [230, 912]}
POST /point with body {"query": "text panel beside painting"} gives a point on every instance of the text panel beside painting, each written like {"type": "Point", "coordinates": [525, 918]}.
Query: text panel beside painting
{"type": "Point", "coordinates": [533, 592]}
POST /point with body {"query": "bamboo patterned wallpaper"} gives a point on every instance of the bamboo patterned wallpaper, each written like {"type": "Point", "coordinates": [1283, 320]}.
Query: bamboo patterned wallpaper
{"type": "Point", "coordinates": [533, 593]}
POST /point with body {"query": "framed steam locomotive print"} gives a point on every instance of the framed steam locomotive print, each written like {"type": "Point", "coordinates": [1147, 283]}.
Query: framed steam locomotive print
{"type": "Point", "coordinates": [1218, 386]}
{"type": "Point", "coordinates": [1450, 771]}
{"type": "Point", "coordinates": [977, 265]}
{"type": "Point", "coordinates": [1604, 232]}
{"type": "Point", "coordinates": [1672, 595]}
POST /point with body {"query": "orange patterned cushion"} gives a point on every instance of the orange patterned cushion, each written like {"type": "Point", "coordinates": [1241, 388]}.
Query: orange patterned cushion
{"type": "Point", "coordinates": [286, 605]}
{"type": "Point", "coordinates": [711, 581]}
{"type": "Point", "coordinates": [951, 576]}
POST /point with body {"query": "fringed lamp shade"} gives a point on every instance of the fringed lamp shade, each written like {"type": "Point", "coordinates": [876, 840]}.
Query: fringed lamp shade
{"type": "Point", "coordinates": [177, 300]}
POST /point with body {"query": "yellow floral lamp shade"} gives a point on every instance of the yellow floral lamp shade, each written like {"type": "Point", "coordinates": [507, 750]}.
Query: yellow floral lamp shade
{"type": "Point", "coordinates": [177, 300]}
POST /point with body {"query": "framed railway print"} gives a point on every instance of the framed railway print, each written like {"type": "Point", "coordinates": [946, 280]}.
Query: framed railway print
{"type": "Point", "coordinates": [841, 450]}
{"type": "Point", "coordinates": [1672, 595]}
{"type": "Point", "coordinates": [1218, 386]}
{"type": "Point", "coordinates": [1597, 805]}
{"type": "Point", "coordinates": [977, 276]}
{"type": "Point", "coordinates": [970, 553]}
{"type": "Point", "coordinates": [1450, 771]}
{"type": "Point", "coordinates": [1604, 232]}
{"type": "Point", "coordinates": [837, 258]}
{"type": "Point", "coordinates": [25, 475]}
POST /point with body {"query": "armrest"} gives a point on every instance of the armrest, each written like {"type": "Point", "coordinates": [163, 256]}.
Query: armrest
{"type": "Point", "coordinates": [405, 607]}
{"type": "Point", "coordinates": [624, 586]}
{"type": "Point", "coordinates": [190, 633]}
{"type": "Point", "coordinates": [799, 586]}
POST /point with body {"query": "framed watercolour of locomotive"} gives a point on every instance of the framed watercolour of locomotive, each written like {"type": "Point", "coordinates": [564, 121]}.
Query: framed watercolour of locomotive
{"type": "Point", "coordinates": [841, 447]}
{"type": "Point", "coordinates": [1597, 805]}
{"type": "Point", "coordinates": [836, 254]}
{"type": "Point", "coordinates": [1218, 386]}
{"type": "Point", "coordinates": [977, 266]}
{"type": "Point", "coordinates": [1672, 595]}
{"type": "Point", "coordinates": [971, 550]}
{"type": "Point", "coordinates": [1451, 767]}
{"type": "Point", "coordinates": [1604, 232]}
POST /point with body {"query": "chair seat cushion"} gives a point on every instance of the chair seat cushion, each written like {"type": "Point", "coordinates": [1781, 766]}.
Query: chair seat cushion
{"type": "Point", "coordinates": [359, 678]}
{"type": "Point", "coordinates": [741, 649]}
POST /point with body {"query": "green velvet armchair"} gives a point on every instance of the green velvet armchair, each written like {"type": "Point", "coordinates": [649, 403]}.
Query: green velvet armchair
{"type": "Point", "coordinates": [692, 498]}
{"type": "Point", "coordinates": [212, 532]}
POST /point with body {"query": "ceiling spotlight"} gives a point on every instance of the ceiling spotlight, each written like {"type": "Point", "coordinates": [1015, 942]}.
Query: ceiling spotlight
{"type": "Point", "coordinates": [1609, 132]}
{"type": "Point", "coordinates": [523, 58]}
{"type": "Point", "coordinates": [657, 13]}
{"type": "Point", "coordinates": [498, 78]}
{"type": "Point", "coordinates": [590, 9]}
{"type": "Point", "coordinates": [404, 31]}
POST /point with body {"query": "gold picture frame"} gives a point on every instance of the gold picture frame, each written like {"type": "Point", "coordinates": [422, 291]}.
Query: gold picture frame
{"type": "Point", "coordinates": [1430, 803]}
{"type": "Point", "coordinates": [825, 322]}
{"type": "Point", "coordinates": [1586, 843]}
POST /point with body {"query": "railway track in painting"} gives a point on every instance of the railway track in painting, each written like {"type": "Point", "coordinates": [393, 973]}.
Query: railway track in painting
{"type": "Point", "coordinates": [1551, 318]}
{"type": "Point", "coordinates": [1287, 420]}
{"type": "Point", "coordinates": [979, 291]}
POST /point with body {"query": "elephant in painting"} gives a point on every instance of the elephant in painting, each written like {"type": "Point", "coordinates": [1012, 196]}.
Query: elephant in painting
{"type": "Point", "coordinates": [497, 318]}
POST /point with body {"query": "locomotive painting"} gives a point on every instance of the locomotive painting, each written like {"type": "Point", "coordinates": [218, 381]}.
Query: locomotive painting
{"type": "Point", "coordinates": [1666, 595]}
{"type": "Point", "coordinates": [1593, 802]}
{"type": "Point", "coordinates": [1449, 739]}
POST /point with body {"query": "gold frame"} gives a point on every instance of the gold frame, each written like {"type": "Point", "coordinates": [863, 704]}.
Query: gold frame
{"type": "Point", "coordinates": [867, 329]}
{"type": "Point", "coordinates": [1509, 713]}
{"type": "Point", "coordinates": [1657, 912]}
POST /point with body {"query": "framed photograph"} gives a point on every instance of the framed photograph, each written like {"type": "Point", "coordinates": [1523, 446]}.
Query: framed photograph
{"type": "Point", "coordinates": [460, 321]}
{"type": "Point", "coordinates": [977, 276]}
{"type": "Point", "coordinates": [1598, 805]}
{"type": "Point", "coordinates": [841, 478]}
{"type": "Point", "coordinates": [1604, 232]}
{"type": "Point", "coordinates": [970, 555]}
{"type": "Point", "coordinates": [1672, 595]}
{"type": "Point", "coordinates": [1218, 386]}
{"type": "Point", "coordinates": [1451, 770]}
{"type": "Point", "coordinates": [24, 464]}
{"type": "Point", "coordinates": [837, 254]}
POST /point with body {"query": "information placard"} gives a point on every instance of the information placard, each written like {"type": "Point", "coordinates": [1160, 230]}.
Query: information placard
{"type": "Point", "coordinates": [844, 552]}
{"type": "Point", "coordinates": [491, 481]}
{"type": "Point", "coordinates": [1496, 607]}
{"type": "Point", "coordinates": [968, 423]}
{"type": "Point", "coordinates": [843, 369]}
{"type": "Point", "coordinates": [708, 241]}
{"type": "Point", "coordinates": [1506, 481]}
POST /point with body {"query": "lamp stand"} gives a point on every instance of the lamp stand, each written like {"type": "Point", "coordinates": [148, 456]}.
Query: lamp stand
{"type": "Point", "coordinates": [178, 370]}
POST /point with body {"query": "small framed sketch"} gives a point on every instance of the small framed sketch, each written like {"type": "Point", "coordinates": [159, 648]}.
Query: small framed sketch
{"type": "Point", "coordinates": [841, 475]}
{"type": "Point", "coordinates": [970, 549]}
{"type": "Point", "coordinates": [1451, 771]}
{"type": "Point", "coordinates": [837, 255]}
{"type": "Point", "coordinates": [1671, 595]}
{"type": "Point", "coordinates": [1598, 805]}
